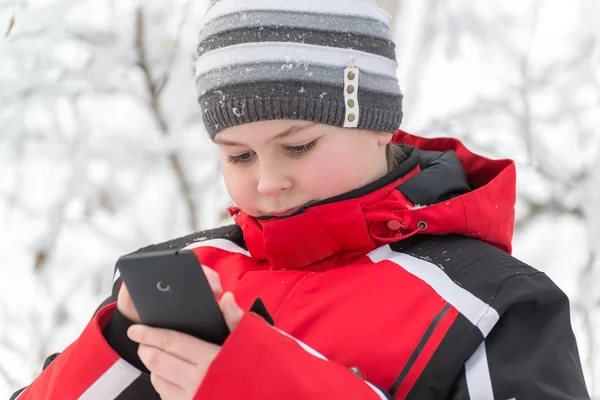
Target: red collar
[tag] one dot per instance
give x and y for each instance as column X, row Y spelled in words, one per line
column 331, row 234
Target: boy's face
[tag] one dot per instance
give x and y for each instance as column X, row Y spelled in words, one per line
column 276, row 167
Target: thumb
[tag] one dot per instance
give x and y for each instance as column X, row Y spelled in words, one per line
column 126, row 306
column 231, row 311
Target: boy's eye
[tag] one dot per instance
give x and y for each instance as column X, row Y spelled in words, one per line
column 291, row 150
column 300, row 150
column 242, row 158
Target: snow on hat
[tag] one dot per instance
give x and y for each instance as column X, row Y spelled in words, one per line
column 326, row 61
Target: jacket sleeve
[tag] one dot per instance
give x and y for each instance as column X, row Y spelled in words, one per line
column 101, row 361
column 259, row 361
column 263, row 362
column 88, row 369
column 531, row 353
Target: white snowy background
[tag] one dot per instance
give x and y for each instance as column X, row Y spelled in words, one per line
column 102, row 149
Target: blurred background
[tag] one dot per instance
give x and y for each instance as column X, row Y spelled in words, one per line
column 102, row 150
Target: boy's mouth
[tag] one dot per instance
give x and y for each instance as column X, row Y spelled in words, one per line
column 285, row 213
column 289, row 211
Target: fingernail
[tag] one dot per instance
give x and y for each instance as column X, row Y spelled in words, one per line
column 213, row 280
column 143, row 352
column 232, row 303
column 134, row 332
column 216, row 284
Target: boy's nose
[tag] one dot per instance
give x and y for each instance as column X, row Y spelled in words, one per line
column 273, row 182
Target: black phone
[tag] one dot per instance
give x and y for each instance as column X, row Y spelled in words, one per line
column 169, row 290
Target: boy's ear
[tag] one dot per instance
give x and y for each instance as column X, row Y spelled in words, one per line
column 384, row 138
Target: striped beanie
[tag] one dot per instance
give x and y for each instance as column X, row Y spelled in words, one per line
column 326, row 61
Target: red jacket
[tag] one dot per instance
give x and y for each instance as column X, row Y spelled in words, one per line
column 402, row 289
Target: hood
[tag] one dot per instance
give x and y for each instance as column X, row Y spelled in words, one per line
column 441, row 188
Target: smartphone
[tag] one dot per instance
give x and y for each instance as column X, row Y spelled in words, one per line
column 169, row 290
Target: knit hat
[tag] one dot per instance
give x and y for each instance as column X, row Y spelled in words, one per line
column 326, row 61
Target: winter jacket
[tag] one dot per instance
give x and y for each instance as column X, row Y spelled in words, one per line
column 402, row 289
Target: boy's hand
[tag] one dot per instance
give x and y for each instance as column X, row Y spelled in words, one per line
column 178, row 362
column 126, row 307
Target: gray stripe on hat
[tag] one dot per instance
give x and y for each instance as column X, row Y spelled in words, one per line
column 296, row 89
column 345, row 40
column 296, row 100
column 336, row 23
column 309, row 73
column 270, row 108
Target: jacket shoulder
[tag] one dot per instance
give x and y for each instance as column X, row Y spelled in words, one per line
column 232, row 233
column 475, row 266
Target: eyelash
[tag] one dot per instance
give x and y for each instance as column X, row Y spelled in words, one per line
column 294, row 151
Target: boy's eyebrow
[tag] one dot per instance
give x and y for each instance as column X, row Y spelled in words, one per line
column 286, row 133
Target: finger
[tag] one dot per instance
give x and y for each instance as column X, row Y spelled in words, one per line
column 169, row 367
column 231, row 311
column 167, row 390
column 181, row 345
column 126, row 306
column 213, row 280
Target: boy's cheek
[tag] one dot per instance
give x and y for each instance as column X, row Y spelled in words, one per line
column 240, row 190
column 328, row 178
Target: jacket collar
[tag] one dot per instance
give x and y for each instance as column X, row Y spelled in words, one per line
column 429, row 193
